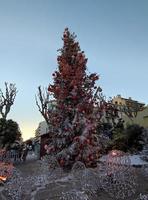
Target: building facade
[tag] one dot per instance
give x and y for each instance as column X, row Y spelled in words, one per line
column 138, row 111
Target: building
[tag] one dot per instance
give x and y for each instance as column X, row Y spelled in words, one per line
column 142, row 118
column 42, row 135
column 42, row 129
column 133, row 111
column 134, row 104
column 42, row 132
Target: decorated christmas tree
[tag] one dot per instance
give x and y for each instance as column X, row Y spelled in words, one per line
column 74, row 119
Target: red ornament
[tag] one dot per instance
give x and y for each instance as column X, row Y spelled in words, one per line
column 50, row 89
column 88, row 141
column 91, row 157
column 61, row 162
column 74, row 97
column 85, row 141
column 57, row 90
column 76, row 139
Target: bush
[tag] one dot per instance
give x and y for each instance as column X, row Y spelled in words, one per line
column 134, row 136
column 9, row 132
column 128, row 139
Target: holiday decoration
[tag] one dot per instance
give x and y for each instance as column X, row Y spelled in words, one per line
column 119, row 181
column 74, row 119
column 6, row 170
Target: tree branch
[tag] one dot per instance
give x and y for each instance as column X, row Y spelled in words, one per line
column 42, row 101
column 7, row 99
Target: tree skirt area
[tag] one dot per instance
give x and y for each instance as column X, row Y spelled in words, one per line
column 32, row 181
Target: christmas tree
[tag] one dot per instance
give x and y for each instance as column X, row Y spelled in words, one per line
column 74, row 121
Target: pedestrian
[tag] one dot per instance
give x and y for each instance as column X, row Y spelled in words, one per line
column 24, row 153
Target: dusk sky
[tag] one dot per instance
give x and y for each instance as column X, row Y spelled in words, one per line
column 113, row 34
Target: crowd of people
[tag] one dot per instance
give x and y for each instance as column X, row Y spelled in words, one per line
column 17, row 152
column 20, row 152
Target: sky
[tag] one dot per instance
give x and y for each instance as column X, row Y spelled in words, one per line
column 112, row 33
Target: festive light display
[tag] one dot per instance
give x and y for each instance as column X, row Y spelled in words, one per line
column 120, row 181
column 6, row 170
column 74, row 120
column 117, row 161
column 74, row 143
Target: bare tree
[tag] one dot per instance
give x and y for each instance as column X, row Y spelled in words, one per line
column 42, row 101
column 7, row 99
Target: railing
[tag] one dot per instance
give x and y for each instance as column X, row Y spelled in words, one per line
column 12, row 156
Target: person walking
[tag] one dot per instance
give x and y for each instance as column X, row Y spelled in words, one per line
column 24, row 153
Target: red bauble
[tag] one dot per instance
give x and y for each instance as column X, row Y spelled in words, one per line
column 88, row 141
column 85, row 141
column 50, row 89
column 53, row 149
column 74, row 97
column 91, row 157
column 76, row 139
column 62, row 162
column 57, row 90
column 97, row 155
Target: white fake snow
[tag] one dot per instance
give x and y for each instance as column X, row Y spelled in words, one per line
column 135, row 160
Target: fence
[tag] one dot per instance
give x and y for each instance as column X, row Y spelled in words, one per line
column 12, row 156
